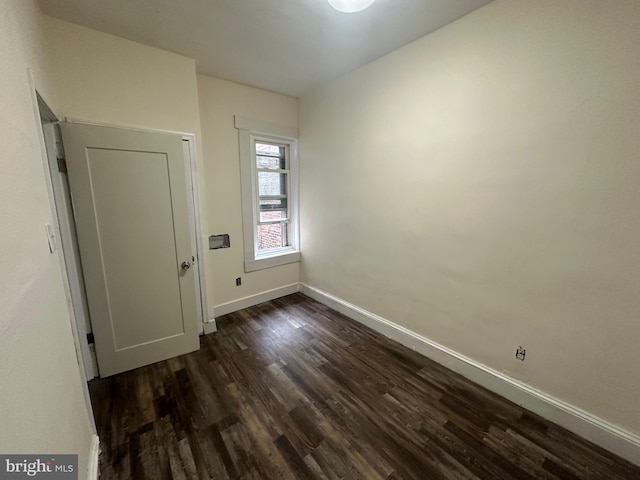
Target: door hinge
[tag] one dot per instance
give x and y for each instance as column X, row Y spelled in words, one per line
column 90, row 338
column 62, row 165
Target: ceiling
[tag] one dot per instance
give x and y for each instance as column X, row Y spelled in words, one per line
column 286, row 46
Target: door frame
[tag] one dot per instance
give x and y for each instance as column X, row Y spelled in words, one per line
column 68, row 244
column 195, row 221
column 91, row 369
column 43, row 114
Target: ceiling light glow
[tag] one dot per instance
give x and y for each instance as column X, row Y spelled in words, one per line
column 350, row 6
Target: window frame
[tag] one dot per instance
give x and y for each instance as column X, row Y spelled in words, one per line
column 250, row 131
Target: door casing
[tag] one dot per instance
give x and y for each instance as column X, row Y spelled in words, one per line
column 43, row 114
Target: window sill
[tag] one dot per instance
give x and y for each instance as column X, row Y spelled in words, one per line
column 269, row 261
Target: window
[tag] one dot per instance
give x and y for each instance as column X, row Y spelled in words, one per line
column 269, row 174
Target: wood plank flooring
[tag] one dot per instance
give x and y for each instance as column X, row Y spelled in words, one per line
column 291, row 389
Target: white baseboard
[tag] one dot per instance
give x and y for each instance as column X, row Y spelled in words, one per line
column 252, row 300
column 94, row 454
column 210, row 326
column 588, row 426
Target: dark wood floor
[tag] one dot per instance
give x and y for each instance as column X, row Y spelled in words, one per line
column 291, row 389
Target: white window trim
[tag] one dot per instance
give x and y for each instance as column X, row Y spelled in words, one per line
column 248, row 132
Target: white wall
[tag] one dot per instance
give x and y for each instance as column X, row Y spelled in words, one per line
column 220, row 100
column 42, row 406
column 480, row 187
column 104, row 78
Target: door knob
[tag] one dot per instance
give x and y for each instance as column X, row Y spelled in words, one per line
column 185, row 265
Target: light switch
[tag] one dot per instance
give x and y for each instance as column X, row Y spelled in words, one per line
column 51, row 237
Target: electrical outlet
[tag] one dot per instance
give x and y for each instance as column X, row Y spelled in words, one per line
column 238, row 281
column 520, row 353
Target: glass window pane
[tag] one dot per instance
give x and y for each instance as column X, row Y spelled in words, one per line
column 272, row 236
column 270, row 150
column 271, row 162
column 272, row 183
column 273, row 204
column 273, row 215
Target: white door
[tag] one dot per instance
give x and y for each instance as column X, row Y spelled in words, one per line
column 129, row 195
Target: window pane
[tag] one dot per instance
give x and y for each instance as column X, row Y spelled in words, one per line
column 272, row 183
column 271, row 162
column 269, row 150
column 273, row 204
column 273, row 215
column 272, row 236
